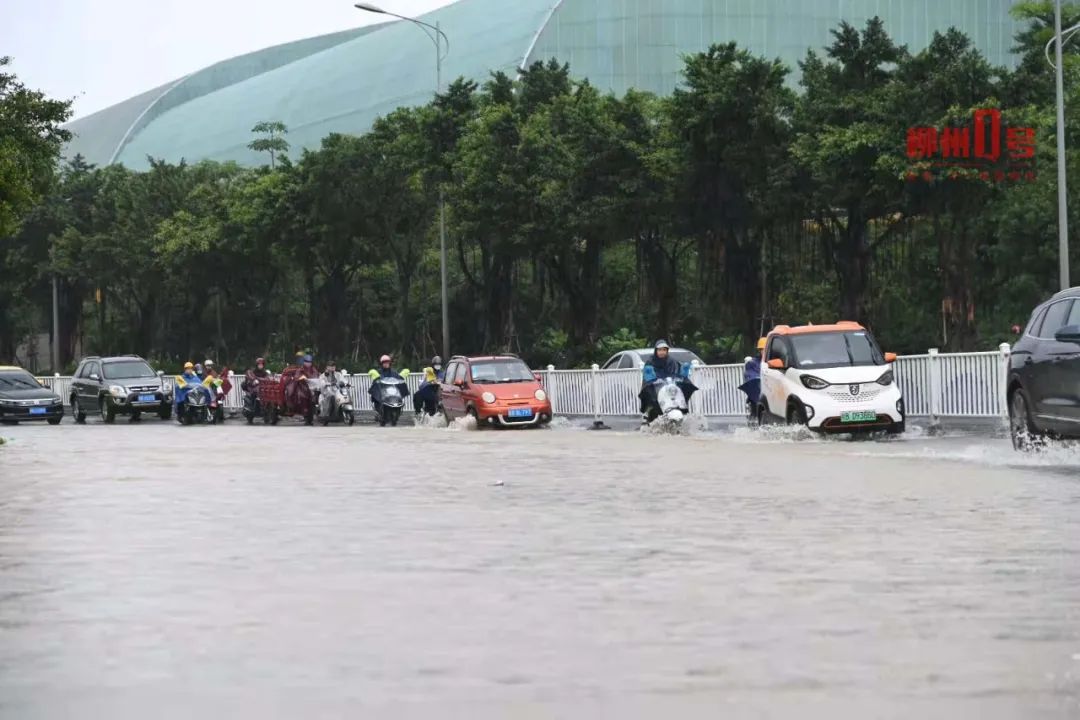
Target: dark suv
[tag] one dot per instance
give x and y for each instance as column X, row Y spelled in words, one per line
column 1044, row 373
column 124, row 385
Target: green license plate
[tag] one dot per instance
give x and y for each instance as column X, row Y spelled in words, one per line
column 862, row 416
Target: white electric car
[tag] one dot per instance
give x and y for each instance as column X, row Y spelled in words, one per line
column 831, row 378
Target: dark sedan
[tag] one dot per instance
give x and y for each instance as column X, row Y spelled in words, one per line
column 23, row 398
column 1044, row 373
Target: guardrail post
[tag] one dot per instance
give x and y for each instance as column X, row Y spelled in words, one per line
column 598, row 424
column 935, row 393
column 1003, row 397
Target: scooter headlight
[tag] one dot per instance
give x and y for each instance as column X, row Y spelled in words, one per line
column 540, row 395
column 489, row 398
column 814, row 383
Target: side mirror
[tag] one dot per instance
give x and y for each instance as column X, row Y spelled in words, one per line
column 160, row 373
column 536, row 375
column 776, row 364
column 94, row 376
column 459, row 383
column 1068, row 334
column 890, row 357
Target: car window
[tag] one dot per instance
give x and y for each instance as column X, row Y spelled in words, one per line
column 125, row 369
column 627, row 362
column 18, row 380
column 1055, row 318
column 684, row 357
column 1074, row 315
column 1035, row 321
column 448, row 374
column 504, row 370
column 93, row 368
column 777, row 350
column 836, row 349
column 462, row 371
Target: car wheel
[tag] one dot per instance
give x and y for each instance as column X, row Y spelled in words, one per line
column 476, row 418
column 1025, row 437
column 76, row 411
column 348, row 417
column 108, row 413
column 796, row 414
column 55, row 421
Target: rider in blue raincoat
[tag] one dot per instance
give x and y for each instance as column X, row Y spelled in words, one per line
column 185, row 382
column 659, row 367
column 752, row 375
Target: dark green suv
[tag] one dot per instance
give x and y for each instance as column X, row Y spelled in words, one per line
column 124, row 385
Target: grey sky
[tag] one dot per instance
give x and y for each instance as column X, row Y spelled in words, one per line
column 100, row 52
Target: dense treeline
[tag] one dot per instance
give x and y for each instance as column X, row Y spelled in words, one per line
column 578, row 223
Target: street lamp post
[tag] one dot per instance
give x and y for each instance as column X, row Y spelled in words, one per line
column 1063, row 219
column 1058, row 40
column 437, row 38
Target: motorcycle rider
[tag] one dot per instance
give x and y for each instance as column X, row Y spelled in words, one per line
column 332, row 379
column 426, row 398
column 751, row 384
column 660, row 367
column 184, row 383
column 331, row 376
column 436, row 365
column 252, row 376
column 385, row 371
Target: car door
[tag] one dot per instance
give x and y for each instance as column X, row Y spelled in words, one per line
column 1064, row 376
column 76, row 382
column 90, row 387
column 452, row 391
column 773, row 386
column 1048, row 391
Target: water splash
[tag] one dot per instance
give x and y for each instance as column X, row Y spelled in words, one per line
column 689, row 426
column 423, row 421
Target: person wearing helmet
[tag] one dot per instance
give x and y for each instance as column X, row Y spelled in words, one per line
column 297, row 390
column 659, row 367
column 436, row 365
column 426, row 398
column 250, row 386
column 751, row 384
column 385, row 370
column 183, row 384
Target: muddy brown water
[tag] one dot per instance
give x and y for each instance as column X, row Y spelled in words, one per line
column 157, row 571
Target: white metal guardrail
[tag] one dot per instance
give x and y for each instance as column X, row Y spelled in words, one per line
column 934, row 385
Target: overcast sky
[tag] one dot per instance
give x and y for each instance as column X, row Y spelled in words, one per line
column 99, row 52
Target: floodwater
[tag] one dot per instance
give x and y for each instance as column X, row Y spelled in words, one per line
column 153, row 571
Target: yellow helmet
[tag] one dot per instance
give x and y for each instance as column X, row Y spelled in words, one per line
column 761, row 344
column 189, row 365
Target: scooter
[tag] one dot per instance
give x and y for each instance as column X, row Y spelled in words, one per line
column 671, row 401
column 198, row 406
column 388, row 398
column 335, row 403
column 252, row 404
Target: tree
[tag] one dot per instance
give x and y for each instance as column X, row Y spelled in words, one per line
column 273, row 143
column 30, row 142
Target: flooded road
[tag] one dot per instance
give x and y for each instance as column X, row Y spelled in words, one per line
column 157, row 571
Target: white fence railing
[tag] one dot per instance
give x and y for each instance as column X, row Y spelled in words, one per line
column 934, row 385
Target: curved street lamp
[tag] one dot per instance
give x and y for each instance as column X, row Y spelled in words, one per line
column 438, row 37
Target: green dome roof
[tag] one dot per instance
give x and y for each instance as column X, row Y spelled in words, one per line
column 342, row 82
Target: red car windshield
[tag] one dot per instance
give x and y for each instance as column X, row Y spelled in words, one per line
column 510, row 370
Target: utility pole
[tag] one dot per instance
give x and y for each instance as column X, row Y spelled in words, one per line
column 1063, row 218
column 55, row 326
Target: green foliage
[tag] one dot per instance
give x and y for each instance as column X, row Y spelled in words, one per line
column 578, row 224
column 273, row 143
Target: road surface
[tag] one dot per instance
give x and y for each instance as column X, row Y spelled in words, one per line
column 156, row 571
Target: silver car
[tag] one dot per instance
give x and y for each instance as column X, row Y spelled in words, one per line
column 634, row 359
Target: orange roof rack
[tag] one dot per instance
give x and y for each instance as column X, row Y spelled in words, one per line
column 839, row 326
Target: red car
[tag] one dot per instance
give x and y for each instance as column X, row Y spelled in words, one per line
column 497, row 390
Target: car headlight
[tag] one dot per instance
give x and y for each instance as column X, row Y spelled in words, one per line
column 814, row 383
column 489, row 398
column 540, row 395
column 166, row 388
column 118, row 390
column 8, row 403
column 886, row 378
